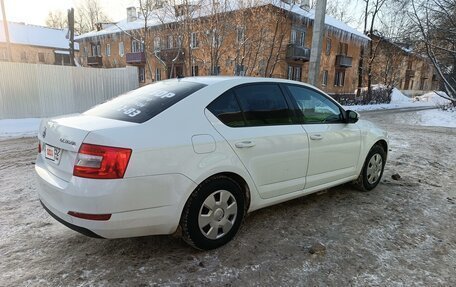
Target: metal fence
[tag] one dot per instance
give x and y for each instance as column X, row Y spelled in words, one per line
column 31, row 90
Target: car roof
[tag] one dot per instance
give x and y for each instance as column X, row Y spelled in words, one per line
column 210, row 80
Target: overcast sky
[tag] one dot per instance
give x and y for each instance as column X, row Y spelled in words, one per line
column 36, row 11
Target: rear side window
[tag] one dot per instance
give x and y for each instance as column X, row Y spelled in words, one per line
column 226, row 109
column 142, row 104
column 263, row 105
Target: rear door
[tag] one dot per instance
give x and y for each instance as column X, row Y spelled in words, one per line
column 255, row 120
column 334, row 144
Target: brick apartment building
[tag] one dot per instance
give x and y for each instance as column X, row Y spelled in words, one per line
column 35, row 44
column 397, row 65
column 270, row 38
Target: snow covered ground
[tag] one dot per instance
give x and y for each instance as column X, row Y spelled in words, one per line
column 16, row 128
column 399, row 100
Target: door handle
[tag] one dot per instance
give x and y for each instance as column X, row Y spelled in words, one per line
column 316, row 137
column 245, row 144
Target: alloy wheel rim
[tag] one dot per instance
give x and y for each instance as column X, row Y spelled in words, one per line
column 217, row 214
column 374, row 168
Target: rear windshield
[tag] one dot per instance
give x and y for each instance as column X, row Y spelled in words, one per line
column 142, row 104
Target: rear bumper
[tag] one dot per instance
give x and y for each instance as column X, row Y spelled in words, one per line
column 76, row 228
column 140, row 206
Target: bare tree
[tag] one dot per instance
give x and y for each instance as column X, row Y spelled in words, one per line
column 88, row 14
column 436, row 24
column 57, row 19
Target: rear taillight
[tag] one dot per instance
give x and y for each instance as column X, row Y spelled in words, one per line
column 102, row 162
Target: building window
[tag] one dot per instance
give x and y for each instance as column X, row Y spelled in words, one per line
column 339, row 78
column 157, row 74
column 23, row 56
column 302, row 39
column 240, row 70
column 324, row 81
column 170, row 42
column 157, row 44
column 98, row 50
column 298, row 37
column 41, row 57
column 108, row 49
column 135, row 46
column 86, row 52
column 240, row 35
column 194, row 40
column 216, row 39
column 343, row 48
column 179, row 41
column 195, row 71
column 216, row 70
column 142, row 74
column 293, row 36
column 328, row 46
column 294, row 73
column 121, row 49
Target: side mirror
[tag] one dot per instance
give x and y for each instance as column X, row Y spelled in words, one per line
column 352, row 117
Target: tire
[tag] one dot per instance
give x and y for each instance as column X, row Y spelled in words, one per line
column 213, row 213
column 373, row 169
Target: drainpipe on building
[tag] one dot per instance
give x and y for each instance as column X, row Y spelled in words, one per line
column 317, row 43
column 5, row 27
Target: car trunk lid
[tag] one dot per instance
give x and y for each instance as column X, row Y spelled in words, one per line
column 61, row 138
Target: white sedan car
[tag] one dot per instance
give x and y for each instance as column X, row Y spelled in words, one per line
column 200, row 153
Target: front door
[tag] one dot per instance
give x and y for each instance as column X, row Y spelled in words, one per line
column 334, row 145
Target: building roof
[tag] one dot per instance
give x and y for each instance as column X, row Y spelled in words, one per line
column 33, row 35
column 164, row 15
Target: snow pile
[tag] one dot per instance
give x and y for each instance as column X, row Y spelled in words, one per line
column 398, row 97
column 438, row 118
column 19, row 128
column 400, row 101
column 433, row 98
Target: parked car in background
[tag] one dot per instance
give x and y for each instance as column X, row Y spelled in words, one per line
column 200, row 153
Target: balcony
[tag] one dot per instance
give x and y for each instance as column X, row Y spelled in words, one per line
column 297, row 53
column 135, row 58
column 344, row 61
column 409, row 73
column 95, row 61
column 168, row 55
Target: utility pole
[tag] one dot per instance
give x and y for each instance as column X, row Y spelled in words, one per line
column 5, row 27
column 71, row 32
column 317, row 42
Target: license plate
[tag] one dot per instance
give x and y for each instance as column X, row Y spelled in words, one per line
column 53, row 153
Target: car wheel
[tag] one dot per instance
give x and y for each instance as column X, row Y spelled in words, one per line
column 373, row 169
column 213, row 213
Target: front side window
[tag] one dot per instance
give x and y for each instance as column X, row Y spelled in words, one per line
column 313, row 107
column 263, row 105
column 142, row 104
